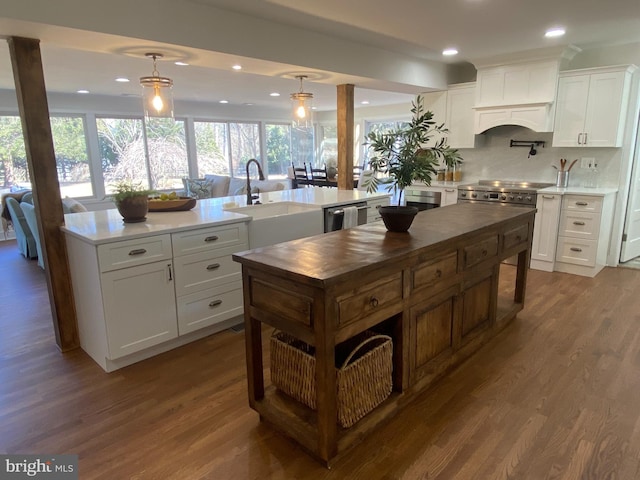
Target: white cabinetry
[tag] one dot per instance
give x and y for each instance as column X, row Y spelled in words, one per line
column 460, row 114
column 583, row 233
column 373, row 215
column 545, row 232
column 208, row 281
column 449, row 195
column 591, row 107
column 137, row 298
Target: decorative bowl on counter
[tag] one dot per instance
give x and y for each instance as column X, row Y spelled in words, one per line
column 179, row 204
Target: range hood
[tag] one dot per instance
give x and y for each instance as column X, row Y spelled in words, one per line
column 520, row 92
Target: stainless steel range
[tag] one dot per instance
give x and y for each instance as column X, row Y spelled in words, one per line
column 501, row 192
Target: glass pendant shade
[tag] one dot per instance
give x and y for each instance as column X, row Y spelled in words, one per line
column 301, row 103
column 157, row 94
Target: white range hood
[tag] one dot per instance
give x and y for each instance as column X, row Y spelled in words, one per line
column 519, row 92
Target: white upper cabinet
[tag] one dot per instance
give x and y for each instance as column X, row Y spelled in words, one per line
column 591, row 107
column 460, row 101
column 436, row 102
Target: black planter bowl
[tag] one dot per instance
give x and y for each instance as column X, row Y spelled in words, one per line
column 398, row 218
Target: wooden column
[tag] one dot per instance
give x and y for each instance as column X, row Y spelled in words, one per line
column 41, row 160
column 345, row 137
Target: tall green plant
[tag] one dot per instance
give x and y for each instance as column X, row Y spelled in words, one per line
column 403, row 155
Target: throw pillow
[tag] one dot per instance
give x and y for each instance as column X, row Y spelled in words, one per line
column 197, row 187
column 267, row 185
column 69, row 205
column 219, row 185
column 238, row 186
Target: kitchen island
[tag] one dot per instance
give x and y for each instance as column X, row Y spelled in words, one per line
column 433, row 290
column 143, row 288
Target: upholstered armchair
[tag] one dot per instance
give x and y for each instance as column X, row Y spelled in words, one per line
column 25, row 239
column 29, row 212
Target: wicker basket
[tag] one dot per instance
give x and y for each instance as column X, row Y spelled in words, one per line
column 363, row 379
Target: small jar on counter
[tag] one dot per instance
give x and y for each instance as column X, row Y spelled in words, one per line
column 440, row 175
column 457, row 173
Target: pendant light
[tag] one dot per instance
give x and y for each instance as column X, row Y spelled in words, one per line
column 157, row 95
column 301, row 105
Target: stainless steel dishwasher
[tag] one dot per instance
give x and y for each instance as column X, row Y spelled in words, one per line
column 334, row 216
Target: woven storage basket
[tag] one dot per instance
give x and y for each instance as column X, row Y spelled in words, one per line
column 363, row 380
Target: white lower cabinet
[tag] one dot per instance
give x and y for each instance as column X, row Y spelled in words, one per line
column 139, row 307
column 583, row 233
column 373, row 215
column 449, row 196
column 137, row 298
column 545, row 231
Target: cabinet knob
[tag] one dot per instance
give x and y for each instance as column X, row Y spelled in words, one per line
column 484, row 253
column 373, row 302
column 138, row 251
column 213, row 266
column 215, row 303
column 212, row 238
column 438, row 273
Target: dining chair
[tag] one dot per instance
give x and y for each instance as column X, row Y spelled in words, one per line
column 319, row 176
column 300, row 175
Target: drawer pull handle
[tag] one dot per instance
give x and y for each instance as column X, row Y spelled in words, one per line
column 373, row 302
column 579, row 223
column 438, row 273
column 215, row 303
column 575, row 249
column 484, row 253
column 137, row 251
column 582, row 204
column 548, row 197
column 212, row 238
column 213, row 266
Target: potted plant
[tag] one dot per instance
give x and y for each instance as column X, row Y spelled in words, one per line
column 132, row 201
column 403, row 156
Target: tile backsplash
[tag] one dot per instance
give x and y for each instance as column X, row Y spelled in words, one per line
column 496, row 160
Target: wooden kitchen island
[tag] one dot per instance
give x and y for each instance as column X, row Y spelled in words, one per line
column 435, row 290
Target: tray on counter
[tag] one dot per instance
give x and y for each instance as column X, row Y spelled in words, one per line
column 175, row 205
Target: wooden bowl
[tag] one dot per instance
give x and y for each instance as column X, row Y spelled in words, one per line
column 176, row 205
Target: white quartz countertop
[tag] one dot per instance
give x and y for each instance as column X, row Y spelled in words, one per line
column 106, row 226
column 600, row 192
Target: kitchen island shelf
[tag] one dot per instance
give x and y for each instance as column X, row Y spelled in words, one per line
column 437, row 291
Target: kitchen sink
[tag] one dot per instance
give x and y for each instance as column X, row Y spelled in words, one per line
column 280, row 222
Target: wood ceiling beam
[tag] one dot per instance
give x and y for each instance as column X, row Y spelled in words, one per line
column 36, row 127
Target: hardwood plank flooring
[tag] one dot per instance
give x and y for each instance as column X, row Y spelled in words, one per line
column 555, row 396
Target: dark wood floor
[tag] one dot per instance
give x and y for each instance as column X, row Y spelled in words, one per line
column 555, row 396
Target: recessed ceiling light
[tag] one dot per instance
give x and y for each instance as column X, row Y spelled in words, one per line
column 237, row 67
column 449, row 51
column 365, row 102
column 182, row 64
column 82, row 91
column 314, row 108
column 122, row 79
column 224, row 101
column 274, row 94
column 554, row 32
column 248, row 104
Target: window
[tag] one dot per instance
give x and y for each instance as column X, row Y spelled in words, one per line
column 72, row 160
column 302, row 146
column 125, row 145
column 13, row 157
column 382, row 126
column 212, row 149
column 278, row 150
column 224, row 148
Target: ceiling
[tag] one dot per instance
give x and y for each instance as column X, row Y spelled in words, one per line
column 479, row 29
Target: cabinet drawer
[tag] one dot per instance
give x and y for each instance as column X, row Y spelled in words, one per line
column 373, row 215
column 515, row 236
column 203, row 239
column 436, row 272
column 580, row 224
column 369, row 298
column 204, row 270
column 584, row 203
column 577, row 251
column 129, row 253
column 481, row 251
column 206, row 308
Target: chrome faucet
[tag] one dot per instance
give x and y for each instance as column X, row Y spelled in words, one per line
column 261, row 176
